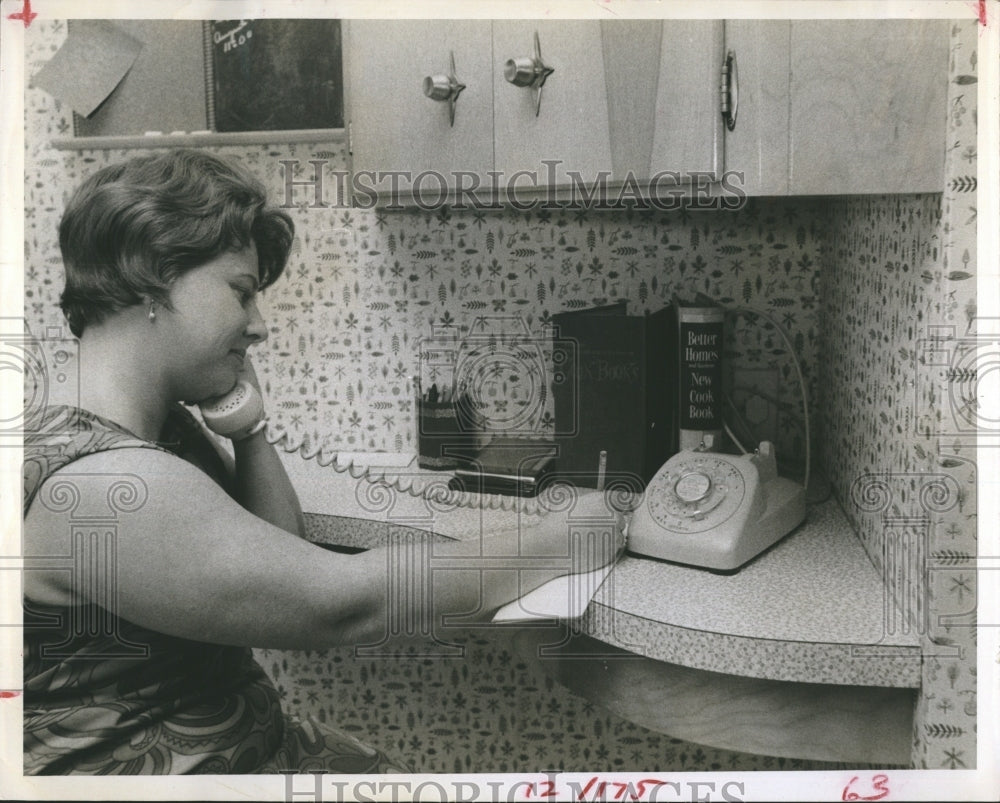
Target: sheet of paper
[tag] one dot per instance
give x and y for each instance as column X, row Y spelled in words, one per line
column 565, row 597
column 93, row 60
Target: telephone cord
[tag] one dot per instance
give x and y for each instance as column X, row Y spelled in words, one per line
column 798, row 373
column 433, row 488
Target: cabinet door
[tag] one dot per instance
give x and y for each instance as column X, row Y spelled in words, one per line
column 571, row 127
column 663, row 97
column 393, row 126
column 757, row 148
column 632, row 74
column 688, row 134
column 867, row 106
column 662, row 81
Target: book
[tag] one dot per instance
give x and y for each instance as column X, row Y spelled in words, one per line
column 697, row 344
column 614, row 395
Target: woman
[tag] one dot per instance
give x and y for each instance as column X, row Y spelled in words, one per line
column 137, row 652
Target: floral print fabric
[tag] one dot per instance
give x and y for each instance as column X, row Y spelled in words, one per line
column 106, row 696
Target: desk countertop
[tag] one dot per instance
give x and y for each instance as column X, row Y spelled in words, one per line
column 811, row 609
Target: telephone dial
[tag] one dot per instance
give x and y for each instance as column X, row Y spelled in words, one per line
column 716, row 510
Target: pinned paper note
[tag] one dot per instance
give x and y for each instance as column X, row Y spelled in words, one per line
column 90, row 65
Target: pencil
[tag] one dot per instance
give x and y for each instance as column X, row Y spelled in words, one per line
column 602, row 466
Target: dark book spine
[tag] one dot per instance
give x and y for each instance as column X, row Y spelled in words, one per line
column 660, row 417
column 600, row 407
column 699, row 376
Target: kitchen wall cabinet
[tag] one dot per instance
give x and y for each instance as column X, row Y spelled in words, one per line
column 868, row 106
column 839, row 107
column 392, row 126
column 571, row 126
column 758, row 145
column 623, row 96
column 824, row 107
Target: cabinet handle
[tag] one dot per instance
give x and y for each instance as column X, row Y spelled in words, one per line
column 529, row 72
column 729, row 90
column 445, row 88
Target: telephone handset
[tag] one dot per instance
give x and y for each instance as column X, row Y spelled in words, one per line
column 237, row 414
column 716, row 510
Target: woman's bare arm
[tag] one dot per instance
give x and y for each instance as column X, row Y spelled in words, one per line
column 261, row 484
column 263, row 487
column 191, row 562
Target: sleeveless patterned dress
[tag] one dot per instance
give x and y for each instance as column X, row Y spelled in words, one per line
column 105, row 696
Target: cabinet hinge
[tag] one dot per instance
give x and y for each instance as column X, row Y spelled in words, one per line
column 729, row 90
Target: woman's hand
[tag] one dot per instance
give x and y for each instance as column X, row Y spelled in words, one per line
column 262, row 486
column 582, row 526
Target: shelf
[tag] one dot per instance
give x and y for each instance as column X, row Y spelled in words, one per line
column 198, row 139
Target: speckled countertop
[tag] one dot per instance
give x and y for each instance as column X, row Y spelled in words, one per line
column 808, row 610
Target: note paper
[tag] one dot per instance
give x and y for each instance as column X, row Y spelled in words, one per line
column 565, row 597
column 94, row 59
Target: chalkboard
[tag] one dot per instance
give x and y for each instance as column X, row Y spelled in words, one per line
column 276, row 74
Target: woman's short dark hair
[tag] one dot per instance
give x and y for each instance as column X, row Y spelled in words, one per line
column 132, row 228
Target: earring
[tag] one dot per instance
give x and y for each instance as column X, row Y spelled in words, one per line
column 152, row 312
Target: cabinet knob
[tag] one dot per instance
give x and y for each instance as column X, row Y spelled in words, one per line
column 529, row 72
column 438, row 87
column 445, row 88
column 520, row 72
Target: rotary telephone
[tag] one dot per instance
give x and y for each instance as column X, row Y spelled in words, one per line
column 716, row 510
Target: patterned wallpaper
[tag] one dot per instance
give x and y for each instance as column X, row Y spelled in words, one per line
column 365, row 287
column 878, row 303
column 489, row 711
